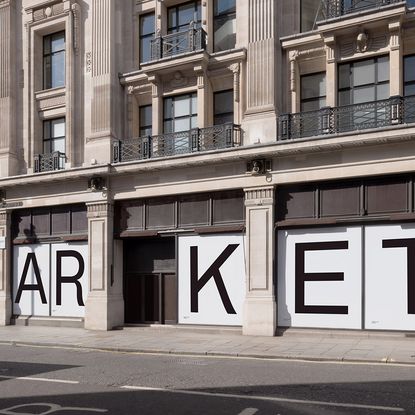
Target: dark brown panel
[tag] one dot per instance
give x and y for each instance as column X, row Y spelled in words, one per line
column 22, row 223
column 228, row 207
column 60, row 221
column 295, row 203
column 160, row 214
column 194, row 211
column 41, row 222
column 132, row 216
column 170, row 298
column 342, row 200
column 383, row 197
column 79, row 219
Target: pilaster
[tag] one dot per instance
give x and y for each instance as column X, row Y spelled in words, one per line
column 5, row 289
column 260, row 314
column 105, row 305
column 395, row 56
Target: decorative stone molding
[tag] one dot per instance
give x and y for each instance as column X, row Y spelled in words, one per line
column 88, row 61
column 100, row 210
column 76, row 12
column 364, row 42
column 4, row 217
column 47, row 12
column 235, row 69
column 395, row 35
column 52, row 102
column 155, row 85
column 259, row 196
column 200, row 71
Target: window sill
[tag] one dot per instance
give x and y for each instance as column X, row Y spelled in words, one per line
column 51, row 99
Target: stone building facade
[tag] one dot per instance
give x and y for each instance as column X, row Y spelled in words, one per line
column 243, row 163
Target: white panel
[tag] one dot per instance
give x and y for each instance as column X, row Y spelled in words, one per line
column 211, row 309
column 387, row 278
column 30, row 302
column 74, row 291
column 344, row 293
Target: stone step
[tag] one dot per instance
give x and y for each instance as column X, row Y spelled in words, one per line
column 73, row 322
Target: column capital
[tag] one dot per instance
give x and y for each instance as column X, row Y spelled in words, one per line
column 259, row 196
column 4, row 217
column 100, row 209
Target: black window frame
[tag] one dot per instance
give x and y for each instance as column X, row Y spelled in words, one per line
column 48, row 69
column 351, row 88
column 50, row 139
column 218, row 115
column 313, row 99
column 184, row 27
column 144, row 127
column 407, row 83
column 144, row 36
column 222, row 17
column 190, row 115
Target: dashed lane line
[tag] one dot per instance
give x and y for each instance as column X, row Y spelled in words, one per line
column 70, row 382
column 266, row 398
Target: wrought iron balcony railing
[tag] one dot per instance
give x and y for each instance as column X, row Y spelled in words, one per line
column 49, row 162
column 337, row 8
column 173, row 44
column 377, row 114
column 184, row 142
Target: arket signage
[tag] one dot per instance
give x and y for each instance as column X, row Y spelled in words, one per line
column 50, row 279
column 321, row 273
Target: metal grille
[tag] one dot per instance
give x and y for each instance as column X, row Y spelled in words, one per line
column 377, row 114
column 176, row 43
column 337, row 8
column 184, row 142
column 49, row 162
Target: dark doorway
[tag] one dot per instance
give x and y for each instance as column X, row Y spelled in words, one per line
column 150, row 283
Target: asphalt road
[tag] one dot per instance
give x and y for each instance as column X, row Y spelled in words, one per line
column 39, row 380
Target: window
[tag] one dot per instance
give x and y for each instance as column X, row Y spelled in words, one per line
column 54, row 60
column 409, row 75
column 146, row 120
column 223, row 107
column 147, row 31
column 54, row 136
column 180, row 17
column 410, row 3
column 224, row 25
column 364, row 81
column 180, row 113
column 313, row 91
column 310, row 14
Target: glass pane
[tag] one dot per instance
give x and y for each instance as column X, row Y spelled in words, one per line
column 58, row 128
column 147, row 24
column 344, row 97
column 58, row 42
column 363, row 72
column 409, row 90
column 344, row 76
column 146, row 131
column 313, row 105
column 193, row 122
column 309, row 14
column 181, row 106
column 46, row 129
column 194, row 103
column 198, row 12
column 410, row 3
column 168, row 104
column 58, row 145
column 172, row 21
column 364, row 94
column 383, row 69
column 313, row 86
column 186, row 14
column 46, row 45
column 47, row 72
column 409, row 68
column 58, row 69
column 224, row 33
column 145, row 49
column 168, row 127
column 383, row 91
column 146, row 115
column 223, row 102
column 182, row 124
column 46, row 147
column 225, row 6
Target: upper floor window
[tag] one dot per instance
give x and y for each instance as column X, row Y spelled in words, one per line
column 224, row 25
column 54, row 135
column 223, row 107
column 180, row 113
column 364, row 81
column 313, row 91
column 54, row 60
column 310, row 14
column 146, row 120
column 147, row 30
column 409, row 75
column 180, row 16
column 410, row 3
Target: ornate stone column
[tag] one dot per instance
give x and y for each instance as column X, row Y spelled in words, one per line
column 5, row 278
column 105, row 305
column 260, row 315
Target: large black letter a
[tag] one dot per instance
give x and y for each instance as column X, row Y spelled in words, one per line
column 31, row 257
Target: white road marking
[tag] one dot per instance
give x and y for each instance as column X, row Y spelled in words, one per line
column 249, row 411
column 52, row 408
column 72, row 382
column 266, row 398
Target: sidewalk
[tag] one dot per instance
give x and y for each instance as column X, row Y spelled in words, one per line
column 317, row 345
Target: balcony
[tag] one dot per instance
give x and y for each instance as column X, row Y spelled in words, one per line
column 185, row 142
column 356, row 117
column 173, row 44
column 49, row 162
column 336, row 8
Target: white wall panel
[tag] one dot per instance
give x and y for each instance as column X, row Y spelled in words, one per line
column 199, row 254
